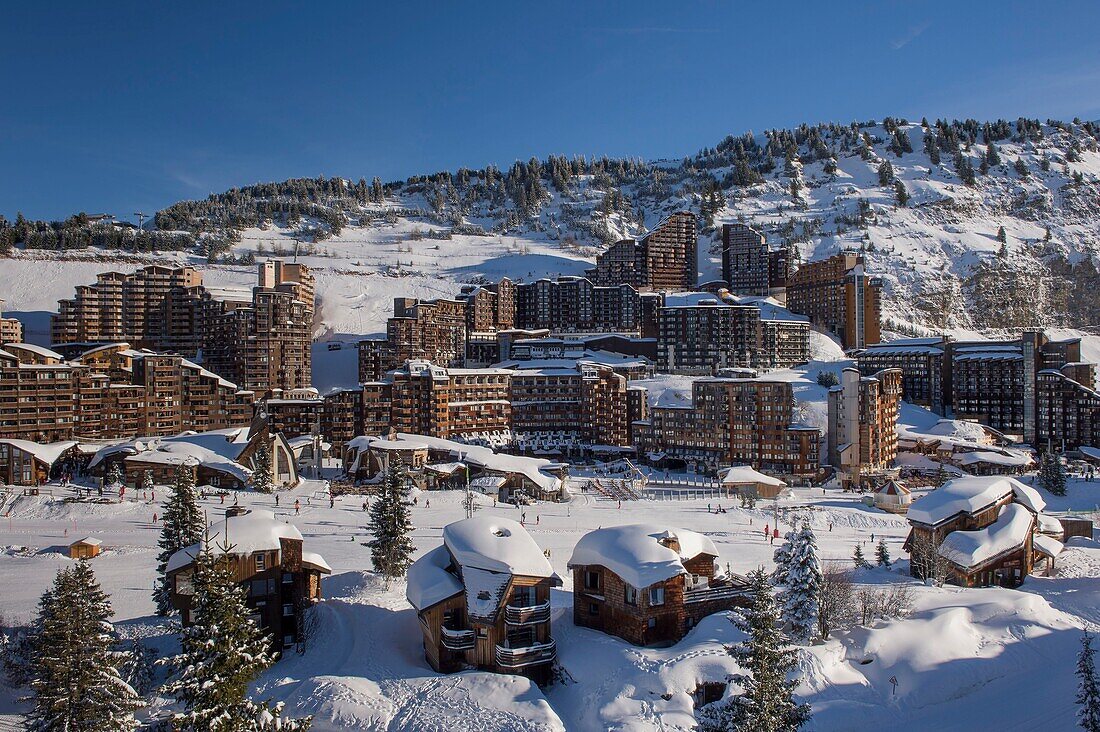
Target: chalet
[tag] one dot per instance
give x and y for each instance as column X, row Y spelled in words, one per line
column 267, row 557
column 23, row 462
column 221, row 458
column 986, row 528
column 85, row 548
column 648, row 584
column 743, row 480
column 483, row 599
column 433, row 463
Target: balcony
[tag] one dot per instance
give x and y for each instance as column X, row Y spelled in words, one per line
column 531, row 655
column 457, row 640
column 529, row 615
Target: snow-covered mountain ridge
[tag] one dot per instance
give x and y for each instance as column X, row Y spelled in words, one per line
column 929, row 203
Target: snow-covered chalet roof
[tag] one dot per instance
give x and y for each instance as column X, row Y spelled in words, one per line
column 47, row 453
column 244, row 534
column 428, row 582
column 635, row 553
column 969, row 495
column 971, row 548
column 746, row 474
column 1047, row 545
column 495, row 544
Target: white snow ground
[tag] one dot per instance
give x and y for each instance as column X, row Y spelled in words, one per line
column 965, row 659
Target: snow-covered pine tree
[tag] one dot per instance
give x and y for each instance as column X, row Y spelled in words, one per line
column 76, row 684
column 859, row 559
column 766, row 704
column 391, row 548
column 114, row 475
column 885, row 173
column 182, row 525
column 1052, row 474
column 782, row 558
column 901, row 194
column 1088, row 691
column 221, row 653
column 147, row 484
column 799, row 596
column 882, row 554
column 261, row 469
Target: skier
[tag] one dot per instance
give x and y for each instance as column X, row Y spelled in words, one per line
column 331, row 502
column 276, row 499
column 154, row 517
column 297, row 507
column 427, row 503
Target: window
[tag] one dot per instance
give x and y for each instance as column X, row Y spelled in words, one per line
column 593, row 608
column 482, row 632
column 630, row 595
column 592, row 580
column 261, row 561
column 651, row 623
column 656, row 596
column 288, row 577
column 288, row 640
column 523, row 596
column 288, row 610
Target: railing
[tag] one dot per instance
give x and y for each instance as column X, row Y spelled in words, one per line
column 457, row 640
column 527, row 615
column 724, row 591
column 527, row 655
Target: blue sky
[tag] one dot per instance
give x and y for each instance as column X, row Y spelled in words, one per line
column 122, row 106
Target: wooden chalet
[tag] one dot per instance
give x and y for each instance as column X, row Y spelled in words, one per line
column 743, row 480
column 649, row 584
column 483, row 599
column 27, row 463
column 990, row 530
column 268, row 558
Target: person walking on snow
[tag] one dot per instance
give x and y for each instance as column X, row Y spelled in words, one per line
column 297, row 507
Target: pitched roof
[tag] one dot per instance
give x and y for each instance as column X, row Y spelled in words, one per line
column 635, row 552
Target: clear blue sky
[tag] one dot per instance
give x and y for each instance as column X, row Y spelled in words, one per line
column 119, row 106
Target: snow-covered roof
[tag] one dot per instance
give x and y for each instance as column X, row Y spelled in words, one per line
column 495, row 544
column 746, row 474
column 47, row 453
column 37, row 350
column 180, row 452
column 1050, row 525
column 244, row 534
column 1089, row 452
column 316, row 560
column 1008, row 458
column 89, row 540
column 483, row 457
column 635, row 553
column 428, row 582
column 1047, row 545
column 971, row 494
column 971, row 548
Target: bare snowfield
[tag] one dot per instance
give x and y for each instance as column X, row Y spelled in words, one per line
column 964, row 659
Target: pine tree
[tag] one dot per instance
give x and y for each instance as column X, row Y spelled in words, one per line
column 800, row 592
column 391, row 548
column 147, row 484
column 261, row 469
column 901, row 193
column 114, row 475
column 1052, row 474
column 882, row 554
column 858, row 559
column 1088, row 691
column 76, row 685
column 1002, row 235
column 885, row 173
column 182, row 525
column 221, row 653
column 782, row 558
column 767, row 703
